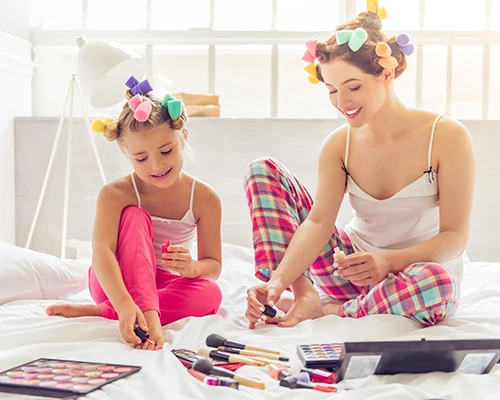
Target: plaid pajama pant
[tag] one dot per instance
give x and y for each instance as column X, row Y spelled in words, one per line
column 279, row 203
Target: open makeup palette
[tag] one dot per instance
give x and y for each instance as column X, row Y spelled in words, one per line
column 359, row 359
column 61, row 378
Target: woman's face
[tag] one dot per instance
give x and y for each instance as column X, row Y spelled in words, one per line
column 356, row 94
column 156, row 154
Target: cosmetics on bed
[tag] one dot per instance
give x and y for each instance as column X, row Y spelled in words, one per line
column 220, row 355
column 292, row 383
column 189, row 357
column 215, row 340
column 251, row 353
column 320, row 375
column 320, row 355
column 213, row 380
column 354, row 360
column 61, row 378
column 207, row 367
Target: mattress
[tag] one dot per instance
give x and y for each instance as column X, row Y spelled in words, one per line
column 26, row 333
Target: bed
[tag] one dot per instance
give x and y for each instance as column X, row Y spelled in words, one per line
column 223, row 148
column 27, row 333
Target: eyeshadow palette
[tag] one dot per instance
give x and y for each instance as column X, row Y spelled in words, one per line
column 360, row 359
column 325, row 355
column 61, row 378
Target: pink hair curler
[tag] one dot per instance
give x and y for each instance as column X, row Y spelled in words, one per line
column 310, row 54
column 142, row 109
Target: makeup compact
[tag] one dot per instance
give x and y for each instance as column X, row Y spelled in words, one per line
column 61, row 378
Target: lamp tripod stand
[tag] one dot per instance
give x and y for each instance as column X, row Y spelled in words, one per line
column 74, row 85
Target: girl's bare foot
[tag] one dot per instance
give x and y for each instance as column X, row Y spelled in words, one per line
column 74, row 310
column 332, row 307
column 156, row 335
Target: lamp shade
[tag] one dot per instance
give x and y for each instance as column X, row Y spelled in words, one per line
column 103, row 68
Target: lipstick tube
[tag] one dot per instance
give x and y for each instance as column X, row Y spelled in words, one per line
column 320, row 375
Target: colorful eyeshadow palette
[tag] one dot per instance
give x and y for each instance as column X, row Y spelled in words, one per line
column 360, row 359
column 325, row 355
column 476, row 356
column 61, row 378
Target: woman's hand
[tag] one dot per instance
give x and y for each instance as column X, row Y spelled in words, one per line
column 130, row 316
column 364, row 269
column 257, row 296
column 179, row 259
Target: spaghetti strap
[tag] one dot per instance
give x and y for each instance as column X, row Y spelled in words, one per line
column 135, row 189
column 347, row 142
column 429, row 164
column 191, row 199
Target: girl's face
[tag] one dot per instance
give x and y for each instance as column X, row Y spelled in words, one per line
column 357, row 95
column 156, row 154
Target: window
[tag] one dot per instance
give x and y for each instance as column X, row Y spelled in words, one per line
column 250, row 53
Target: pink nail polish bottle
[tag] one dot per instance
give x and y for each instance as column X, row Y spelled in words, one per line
column 164, row 248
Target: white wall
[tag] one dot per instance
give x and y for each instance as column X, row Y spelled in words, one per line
column 223, row 147
column 15, row 18
column 16, row 72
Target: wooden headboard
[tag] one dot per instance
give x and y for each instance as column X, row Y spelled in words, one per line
column 223, row 147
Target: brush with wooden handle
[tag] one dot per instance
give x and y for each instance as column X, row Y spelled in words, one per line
column 252, row 353
column 220, row 355
column 207, row 367
column 214, row 340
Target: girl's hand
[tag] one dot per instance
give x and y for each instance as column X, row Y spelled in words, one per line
column 156, row 336
column 179, row 259
column 265, row 293
column 129, row 316
column 364, row 269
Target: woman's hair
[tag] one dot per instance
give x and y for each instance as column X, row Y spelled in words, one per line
column 365, row 58
column 126, row 122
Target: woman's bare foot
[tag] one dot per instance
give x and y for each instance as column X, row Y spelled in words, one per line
column 74, row 310
column 332, row 307
column 156, row 335
column 284, row 304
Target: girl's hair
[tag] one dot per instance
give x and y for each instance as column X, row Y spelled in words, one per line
column 127, row 123
column 365, row 58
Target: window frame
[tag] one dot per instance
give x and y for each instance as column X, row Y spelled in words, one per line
column 150, row 37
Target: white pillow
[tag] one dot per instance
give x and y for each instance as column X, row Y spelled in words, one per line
column 27, row 274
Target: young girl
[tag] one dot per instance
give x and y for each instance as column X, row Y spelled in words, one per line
column 131, row 279
column 409, row 175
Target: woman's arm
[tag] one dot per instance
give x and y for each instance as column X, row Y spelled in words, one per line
column 208, row 208
column 456, row 176
column 313, row 234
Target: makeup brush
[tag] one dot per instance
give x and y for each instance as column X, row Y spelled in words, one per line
column 207, row 367
column 220, row 355
column 215, row 340
column 251, row 353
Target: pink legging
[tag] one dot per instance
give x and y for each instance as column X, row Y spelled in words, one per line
column 173, row 296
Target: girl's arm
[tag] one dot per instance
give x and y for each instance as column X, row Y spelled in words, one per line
column 207, row 207
column 456, row 176
column 104, row 242
column 313, row 234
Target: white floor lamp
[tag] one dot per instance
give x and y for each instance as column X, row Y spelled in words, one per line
column 103, row 68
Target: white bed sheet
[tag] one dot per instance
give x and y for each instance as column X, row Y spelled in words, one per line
column 27, row 333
